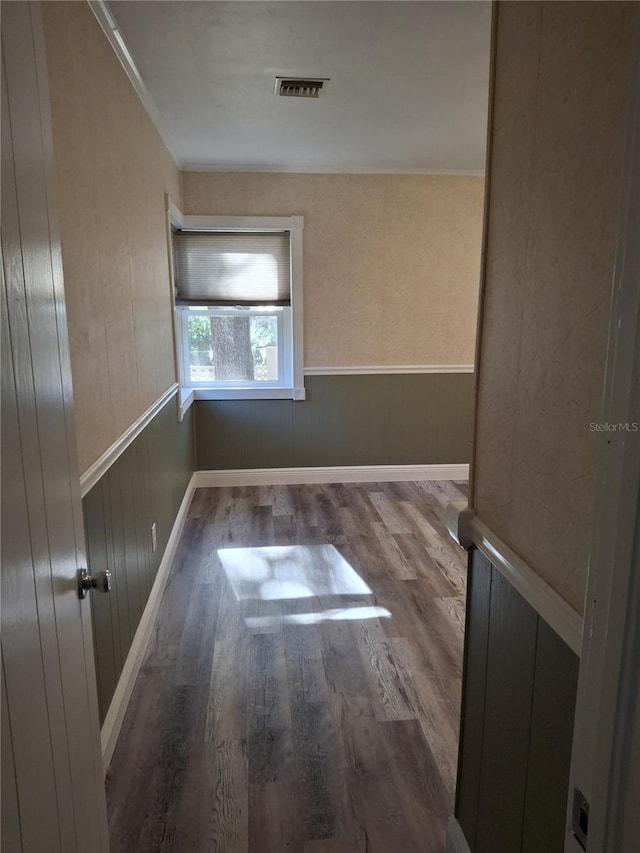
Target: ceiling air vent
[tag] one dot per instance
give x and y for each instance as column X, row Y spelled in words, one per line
column 300, row 87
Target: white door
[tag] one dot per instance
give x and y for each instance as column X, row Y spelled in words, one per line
column 52, row 779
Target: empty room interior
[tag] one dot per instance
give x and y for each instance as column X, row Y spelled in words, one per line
column 320, row 403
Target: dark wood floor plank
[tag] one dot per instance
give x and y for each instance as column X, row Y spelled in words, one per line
column 419, row 782
column 329, row 845
column 397, row 564
column 270, row 745
column 386, row 509
column 375, row 806
column 424, row 567
column 195, row 651
column 223, row 814
column 313, row 736
column 442, row 552
column 435, row 713
column 304, row 699
column 389, row 696
column 438, row 638
column 226, row 716
column 344, row 670
column 273, row 819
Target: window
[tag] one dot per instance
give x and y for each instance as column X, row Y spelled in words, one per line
column 241, row 347
column 238, row 303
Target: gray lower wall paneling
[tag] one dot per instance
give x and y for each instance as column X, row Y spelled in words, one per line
column 505, row 743
column 550, row 737
column 146, row 484
column 476, row 642
column 519, row 692
column 391, row 419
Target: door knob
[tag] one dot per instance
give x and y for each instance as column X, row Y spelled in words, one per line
column 101, row 582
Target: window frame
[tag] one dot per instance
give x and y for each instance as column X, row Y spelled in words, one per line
column 291, row 385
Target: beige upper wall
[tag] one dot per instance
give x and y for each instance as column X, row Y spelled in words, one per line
column 391, row 262
column 112, row 172
column 562, row 73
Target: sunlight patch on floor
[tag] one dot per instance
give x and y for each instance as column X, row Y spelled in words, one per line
column 338, row 614
column 289, row 572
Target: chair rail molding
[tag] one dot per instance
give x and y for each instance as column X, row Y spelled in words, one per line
column 366, row 369
column 469, row 531
column 99, row 468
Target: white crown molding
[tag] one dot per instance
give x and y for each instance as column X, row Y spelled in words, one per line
column 99, row 468
column 124, row 688
column 110, row 28
column 329, row 474
column 369, row 169
column 364, row 369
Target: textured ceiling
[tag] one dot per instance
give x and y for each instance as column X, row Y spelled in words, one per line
column 408, row 90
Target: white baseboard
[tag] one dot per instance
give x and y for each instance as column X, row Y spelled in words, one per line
column 124, row 688
column 456, row 842
column 332, row 474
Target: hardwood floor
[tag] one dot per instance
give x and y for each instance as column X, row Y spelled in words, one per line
column 302, row 689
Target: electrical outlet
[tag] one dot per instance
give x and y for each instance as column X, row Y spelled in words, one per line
column 154, row 537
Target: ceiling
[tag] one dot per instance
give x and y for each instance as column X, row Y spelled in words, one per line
column 408, row 90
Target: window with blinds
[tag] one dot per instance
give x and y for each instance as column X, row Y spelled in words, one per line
column 232, row 268
column 238, row 306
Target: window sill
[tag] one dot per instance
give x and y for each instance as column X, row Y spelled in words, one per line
column 188, row 395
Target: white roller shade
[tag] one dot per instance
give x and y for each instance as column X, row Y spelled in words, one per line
column 232, row 268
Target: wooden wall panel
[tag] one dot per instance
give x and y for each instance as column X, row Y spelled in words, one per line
column 552, row 712
column 476, row 641
column 116, row 556
column 505, row 744
column 112, row 172
column 146, row 484
column 562, row 75
column 107, row 662
column 391, row 262
column 345, row 420
column 519, row 694
column 10, row 834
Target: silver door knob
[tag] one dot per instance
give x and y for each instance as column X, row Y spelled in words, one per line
column 101, row 582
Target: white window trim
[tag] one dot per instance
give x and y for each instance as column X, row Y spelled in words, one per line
column 295, row 226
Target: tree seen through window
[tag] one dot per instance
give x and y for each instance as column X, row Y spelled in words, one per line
column 234, row 347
